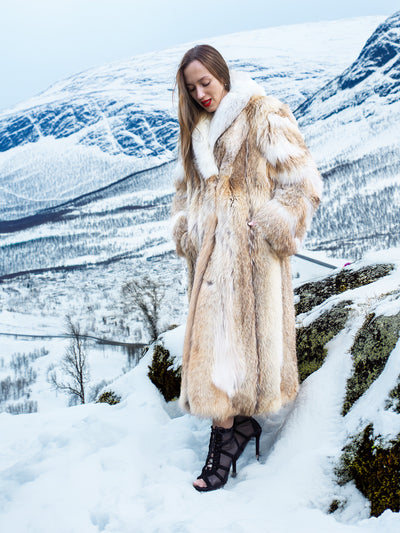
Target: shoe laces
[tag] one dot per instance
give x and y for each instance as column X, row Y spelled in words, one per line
column 214, row 450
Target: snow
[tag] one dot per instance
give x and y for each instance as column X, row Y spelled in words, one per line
column 129, row 467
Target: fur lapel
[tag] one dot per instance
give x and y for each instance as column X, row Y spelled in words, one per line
column 211, row 127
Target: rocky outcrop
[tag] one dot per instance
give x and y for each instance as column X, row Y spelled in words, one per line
column 369, row 459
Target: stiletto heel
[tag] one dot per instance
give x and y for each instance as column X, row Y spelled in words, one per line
column 234, row 468
column 258, row 447
column 245, row 429
column 226, row 446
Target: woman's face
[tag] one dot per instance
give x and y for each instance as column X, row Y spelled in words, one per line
column 203, row 87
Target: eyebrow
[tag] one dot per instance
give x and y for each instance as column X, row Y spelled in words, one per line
column 202, row 78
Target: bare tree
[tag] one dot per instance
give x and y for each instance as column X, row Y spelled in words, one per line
column 145, row 295
column 74, row 365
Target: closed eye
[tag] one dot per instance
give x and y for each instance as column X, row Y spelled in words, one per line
column 191, row 88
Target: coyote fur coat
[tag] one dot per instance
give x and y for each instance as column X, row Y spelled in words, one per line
column 250, row 165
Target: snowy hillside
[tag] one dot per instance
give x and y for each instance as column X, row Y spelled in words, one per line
column 67, row 226
column 352, row 127
column 102, row 125
column 129, row 467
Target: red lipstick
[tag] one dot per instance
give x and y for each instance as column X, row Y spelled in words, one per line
column 206, row 103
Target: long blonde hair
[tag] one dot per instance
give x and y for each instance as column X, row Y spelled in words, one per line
column 189, row 111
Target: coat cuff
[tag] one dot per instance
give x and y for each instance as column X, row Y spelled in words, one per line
column 278, row 227
column 179, row 232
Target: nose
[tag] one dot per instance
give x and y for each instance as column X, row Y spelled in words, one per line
column 200, row 93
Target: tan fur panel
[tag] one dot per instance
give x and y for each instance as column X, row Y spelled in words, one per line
column 201, row 266
column 268, row 298
column 289, row 373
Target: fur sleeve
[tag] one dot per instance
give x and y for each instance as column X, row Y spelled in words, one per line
column 179, row 223
column 285, row 218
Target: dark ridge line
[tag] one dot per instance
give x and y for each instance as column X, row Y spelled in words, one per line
column 57, row 212
column 67, row 268
column 66, row 215
column 83, row 266
column 102, row 189
column 99, row 340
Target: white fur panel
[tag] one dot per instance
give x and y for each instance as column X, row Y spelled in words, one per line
column 229, row 368
column 174, row 219
column 314, row 177
column 309, row 212
column 274, row 143
column 299, row 173
column 298, row 243
column 281, row 149
column 203, row 153
column 179, row 173
column 278, row 122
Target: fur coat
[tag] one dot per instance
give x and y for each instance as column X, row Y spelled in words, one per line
column 250, row 164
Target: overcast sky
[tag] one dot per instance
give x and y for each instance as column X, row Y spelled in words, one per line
column 42, row 41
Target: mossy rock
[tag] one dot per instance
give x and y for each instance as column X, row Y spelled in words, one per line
column 393, row 401
column 314, row 293
column 375, row 468
column 163, row 375
column 371, row 349
column 311, row 340
column 109, row 397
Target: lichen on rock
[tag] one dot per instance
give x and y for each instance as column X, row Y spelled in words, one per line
column 311, row 339
column 370, row 351
column 109, row 397
column 163, row 375
column 374, row 466
column 393, row 402
column 314, row 293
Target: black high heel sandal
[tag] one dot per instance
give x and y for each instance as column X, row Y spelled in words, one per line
column 221, row 455
column 245, row 428
column 226, row 446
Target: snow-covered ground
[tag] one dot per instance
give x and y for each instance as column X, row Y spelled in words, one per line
column 129, row 467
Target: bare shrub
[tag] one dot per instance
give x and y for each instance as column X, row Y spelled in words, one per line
column 74, row 366
column 145, row 295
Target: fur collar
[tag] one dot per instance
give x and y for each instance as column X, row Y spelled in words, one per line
column 212, row 126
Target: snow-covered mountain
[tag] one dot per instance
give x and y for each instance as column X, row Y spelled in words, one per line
column 104, row 124
column 67, row 202
column 352, row 127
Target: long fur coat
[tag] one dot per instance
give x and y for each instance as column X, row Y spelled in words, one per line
column 250, row 164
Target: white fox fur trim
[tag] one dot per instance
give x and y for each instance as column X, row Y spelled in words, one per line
column 203, row 153
column 211, row 127
column 242, row 89
column 179, row 173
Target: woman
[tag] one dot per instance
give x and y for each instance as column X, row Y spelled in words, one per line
column 246, row 190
